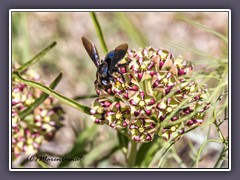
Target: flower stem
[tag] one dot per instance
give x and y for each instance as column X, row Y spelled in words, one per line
column 85, row 97
column 133, row 154
column 221, row 157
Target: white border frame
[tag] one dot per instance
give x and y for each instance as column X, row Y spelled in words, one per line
column 122, row 10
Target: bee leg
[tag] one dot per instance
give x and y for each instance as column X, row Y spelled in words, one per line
column 119, row 66
column 111, row 79
column 122, row 65
column 118, row 71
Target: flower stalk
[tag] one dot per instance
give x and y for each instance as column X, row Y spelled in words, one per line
column 132, row 154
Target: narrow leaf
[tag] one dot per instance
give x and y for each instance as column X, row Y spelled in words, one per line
column 131, row 29
column 100, row 150
column 37, row 57
column 99, row 31
column 42, row 164
column 199, row 25
column 51, row 92
column 40, row 100
column 78, row 149
column 202, row 146
column 141, row 154
column 123, row 142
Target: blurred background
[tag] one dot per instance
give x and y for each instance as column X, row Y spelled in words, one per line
column 190, row 34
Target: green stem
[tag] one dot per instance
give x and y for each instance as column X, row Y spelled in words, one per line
column 218, row 126
column 225, row 142
column 51, row 92
column 221, row 157
column 133, row 154
column 99, row 31
column 85, row 97
column 36, row 58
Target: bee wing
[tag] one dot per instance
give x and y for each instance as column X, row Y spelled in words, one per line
column 91, row 50
column 119, row 53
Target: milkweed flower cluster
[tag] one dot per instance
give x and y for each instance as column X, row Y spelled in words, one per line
column 158, row 97
column 41, row 124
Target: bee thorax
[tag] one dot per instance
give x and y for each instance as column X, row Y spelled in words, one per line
column 103, row 70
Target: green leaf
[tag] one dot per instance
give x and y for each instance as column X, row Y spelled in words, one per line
column 130, row 29
column 36, row 58
column 53, row 93
column 104, row 149
column 188, row 48
column 78, row 149
column 40, row 100
column 123, row 141
column 148, row 154
column 19, row 28
column 199, row 25
column 143, row 150
column 42, row 164
column 160, row 154
column 99, row 31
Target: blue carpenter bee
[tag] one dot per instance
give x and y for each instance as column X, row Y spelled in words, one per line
column 107, row 66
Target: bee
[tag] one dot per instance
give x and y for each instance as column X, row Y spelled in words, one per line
column 107, row 66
